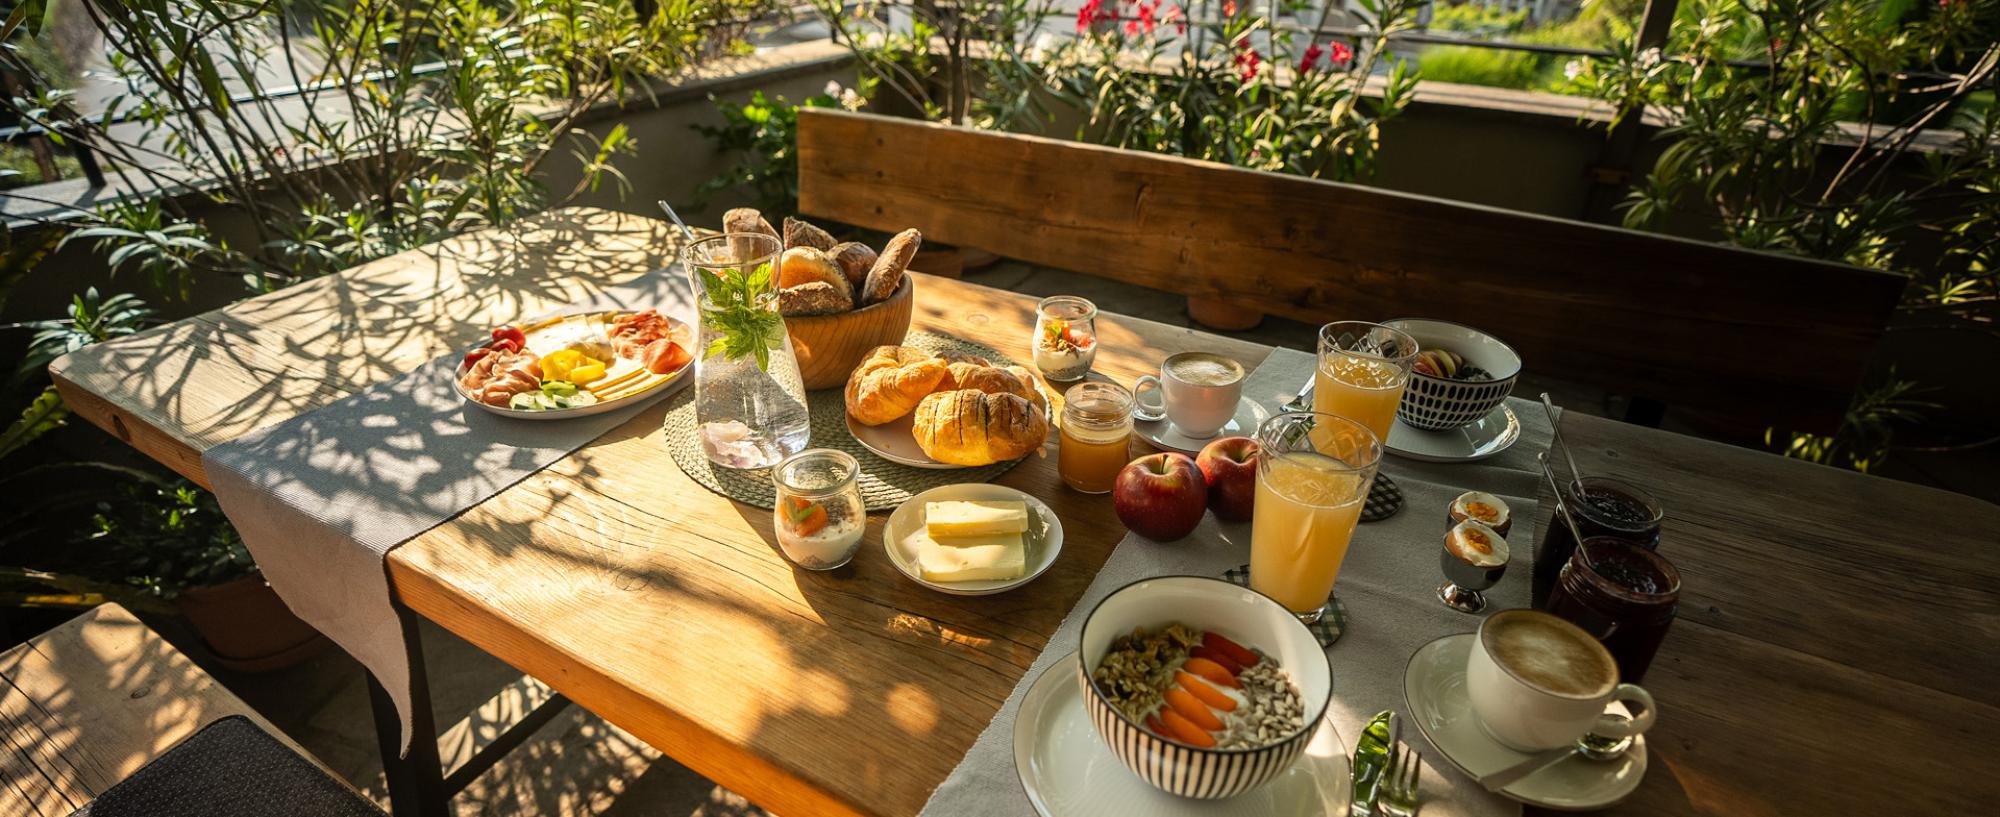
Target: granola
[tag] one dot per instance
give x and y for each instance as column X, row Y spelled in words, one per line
column 1199, row 688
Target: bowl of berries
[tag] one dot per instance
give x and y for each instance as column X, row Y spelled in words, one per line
column 1461, row 374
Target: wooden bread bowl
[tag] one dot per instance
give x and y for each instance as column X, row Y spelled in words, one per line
column 830, row 346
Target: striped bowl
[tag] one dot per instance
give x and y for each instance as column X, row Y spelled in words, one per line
column 1240, row 614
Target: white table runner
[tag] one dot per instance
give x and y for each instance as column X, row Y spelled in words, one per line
column 1387, row 583
column 322, row 498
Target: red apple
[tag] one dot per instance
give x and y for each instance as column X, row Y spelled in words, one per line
column 1161, row 497
column 1230, row 467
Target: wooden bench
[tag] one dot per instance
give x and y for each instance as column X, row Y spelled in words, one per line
column 1757, row 336
column 86, row 704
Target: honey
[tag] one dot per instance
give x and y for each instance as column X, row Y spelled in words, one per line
column 1096, row 433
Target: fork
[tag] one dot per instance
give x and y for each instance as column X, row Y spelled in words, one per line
column 1396, row 790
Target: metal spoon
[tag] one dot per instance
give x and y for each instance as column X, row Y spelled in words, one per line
column 1562, row 508
column 1591, row 747
column 1555, row 425
column 690, row 233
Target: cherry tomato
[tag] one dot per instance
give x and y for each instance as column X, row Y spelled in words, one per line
column 505, row 333
column 474, row 356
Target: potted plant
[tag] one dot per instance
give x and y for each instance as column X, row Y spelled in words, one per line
column 172, row 542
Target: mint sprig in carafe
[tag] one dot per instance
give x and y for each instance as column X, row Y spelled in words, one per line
column 750, row 402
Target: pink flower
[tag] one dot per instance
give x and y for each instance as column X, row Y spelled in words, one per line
column 1149, row 15
column 1091, row 12
column 1337, row 53
column 1180, row 21
column 1246, row 60
column 1229, row 8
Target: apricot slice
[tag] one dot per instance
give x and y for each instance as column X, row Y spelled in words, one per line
column 1209, row 695
column 1213, row 672
column 1154, row 726
column 1192, row 708
column 1217, row 656
column 1237, row 652
column 1185, row 731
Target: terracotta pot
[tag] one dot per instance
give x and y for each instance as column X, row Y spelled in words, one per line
column 248, row 627
column 1215, row 314
column 830, row 346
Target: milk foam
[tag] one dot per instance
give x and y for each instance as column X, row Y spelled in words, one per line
column 1554, row 658
column 1205, row 370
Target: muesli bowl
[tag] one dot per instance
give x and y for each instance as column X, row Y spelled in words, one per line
column 1438, row 403
column 1237, row 614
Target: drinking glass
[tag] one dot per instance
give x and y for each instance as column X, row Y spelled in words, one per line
column 750, row 402
column 1600, row 506
column 1096, row 430
column 1312, row 480
column 1065, row 339
column 1363, row 369
column 1623, row 594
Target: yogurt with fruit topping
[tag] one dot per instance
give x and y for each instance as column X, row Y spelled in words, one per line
column 820, row 534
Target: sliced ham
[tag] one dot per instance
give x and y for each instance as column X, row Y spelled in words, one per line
column 497, row 377
column 665, row 356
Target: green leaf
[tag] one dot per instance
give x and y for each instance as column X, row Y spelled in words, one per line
column 45, row 414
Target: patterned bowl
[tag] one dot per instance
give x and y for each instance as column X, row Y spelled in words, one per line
column 1238, row 613
column 1440, row 404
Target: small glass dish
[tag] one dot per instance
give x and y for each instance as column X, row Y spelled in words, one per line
column 1065, row 340
column 819, row 518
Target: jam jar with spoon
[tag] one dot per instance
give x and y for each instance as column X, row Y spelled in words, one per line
column 1624, row 594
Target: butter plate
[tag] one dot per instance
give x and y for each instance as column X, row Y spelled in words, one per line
column 1042, row 542
column 1067, row 771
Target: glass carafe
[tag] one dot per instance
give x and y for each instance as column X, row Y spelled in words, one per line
column 750, row 402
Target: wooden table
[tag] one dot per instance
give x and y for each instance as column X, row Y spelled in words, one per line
column 1835, row 646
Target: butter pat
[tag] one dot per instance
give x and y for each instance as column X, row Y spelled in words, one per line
column 943, row 519
column 967, row 563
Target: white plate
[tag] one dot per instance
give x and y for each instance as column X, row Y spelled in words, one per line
column 1162, row 433
column 1434, row 689
column 619, row 367
column 1487, row 436
column 896, row 441
column 1043, row 539
column 1066, row 769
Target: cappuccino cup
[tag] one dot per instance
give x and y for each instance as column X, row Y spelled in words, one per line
column 1200, row 391
column 1538, row 682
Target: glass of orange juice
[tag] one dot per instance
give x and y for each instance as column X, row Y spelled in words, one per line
column 1363, row 368
column 1312, row 480
column 1096, row 432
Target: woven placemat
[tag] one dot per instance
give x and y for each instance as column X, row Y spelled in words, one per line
column 1385, row 498
column 1329, row 626
column 884, row 484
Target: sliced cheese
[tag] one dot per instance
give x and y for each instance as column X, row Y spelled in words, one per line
column 975, row 518
column 982, row 540
column 947, row 563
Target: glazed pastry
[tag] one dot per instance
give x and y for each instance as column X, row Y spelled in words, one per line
column 805, row 265
column 855, row 259
column 799, row 233
column 976, row 373
column 968, row 427
column 888, row 271
column 890, row 382
column 745, row 220
column 813, row 298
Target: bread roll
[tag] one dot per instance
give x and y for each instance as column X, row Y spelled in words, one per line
column 745, row 220
column 888, row 271
column 799, row 233
column 890, row 382
column 855, row 259
column 805, row 265
column 967, row 427
column 813, row 298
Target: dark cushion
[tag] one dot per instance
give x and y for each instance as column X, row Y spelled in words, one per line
column 230, row 768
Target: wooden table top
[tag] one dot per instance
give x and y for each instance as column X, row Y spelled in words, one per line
column 1833, row 650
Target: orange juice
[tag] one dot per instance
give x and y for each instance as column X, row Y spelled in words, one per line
column 1363, row 389
column 1306, row 510
column 1096, row 427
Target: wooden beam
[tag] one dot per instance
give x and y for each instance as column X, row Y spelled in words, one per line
column 1772, row 337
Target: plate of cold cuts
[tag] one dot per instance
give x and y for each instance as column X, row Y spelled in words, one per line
column 576, row 365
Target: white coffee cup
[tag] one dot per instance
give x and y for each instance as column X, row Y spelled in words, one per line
column 1538, row 682
column 1200, row 390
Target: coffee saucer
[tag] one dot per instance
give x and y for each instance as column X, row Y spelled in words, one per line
column 1163, row 434
column 1485, row 437
column 1434, row 690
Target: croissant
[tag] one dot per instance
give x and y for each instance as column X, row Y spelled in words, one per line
column 976, row 373
column 967, row 427
column 890, row 382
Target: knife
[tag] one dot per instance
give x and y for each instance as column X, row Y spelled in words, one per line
column 1371, row 753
